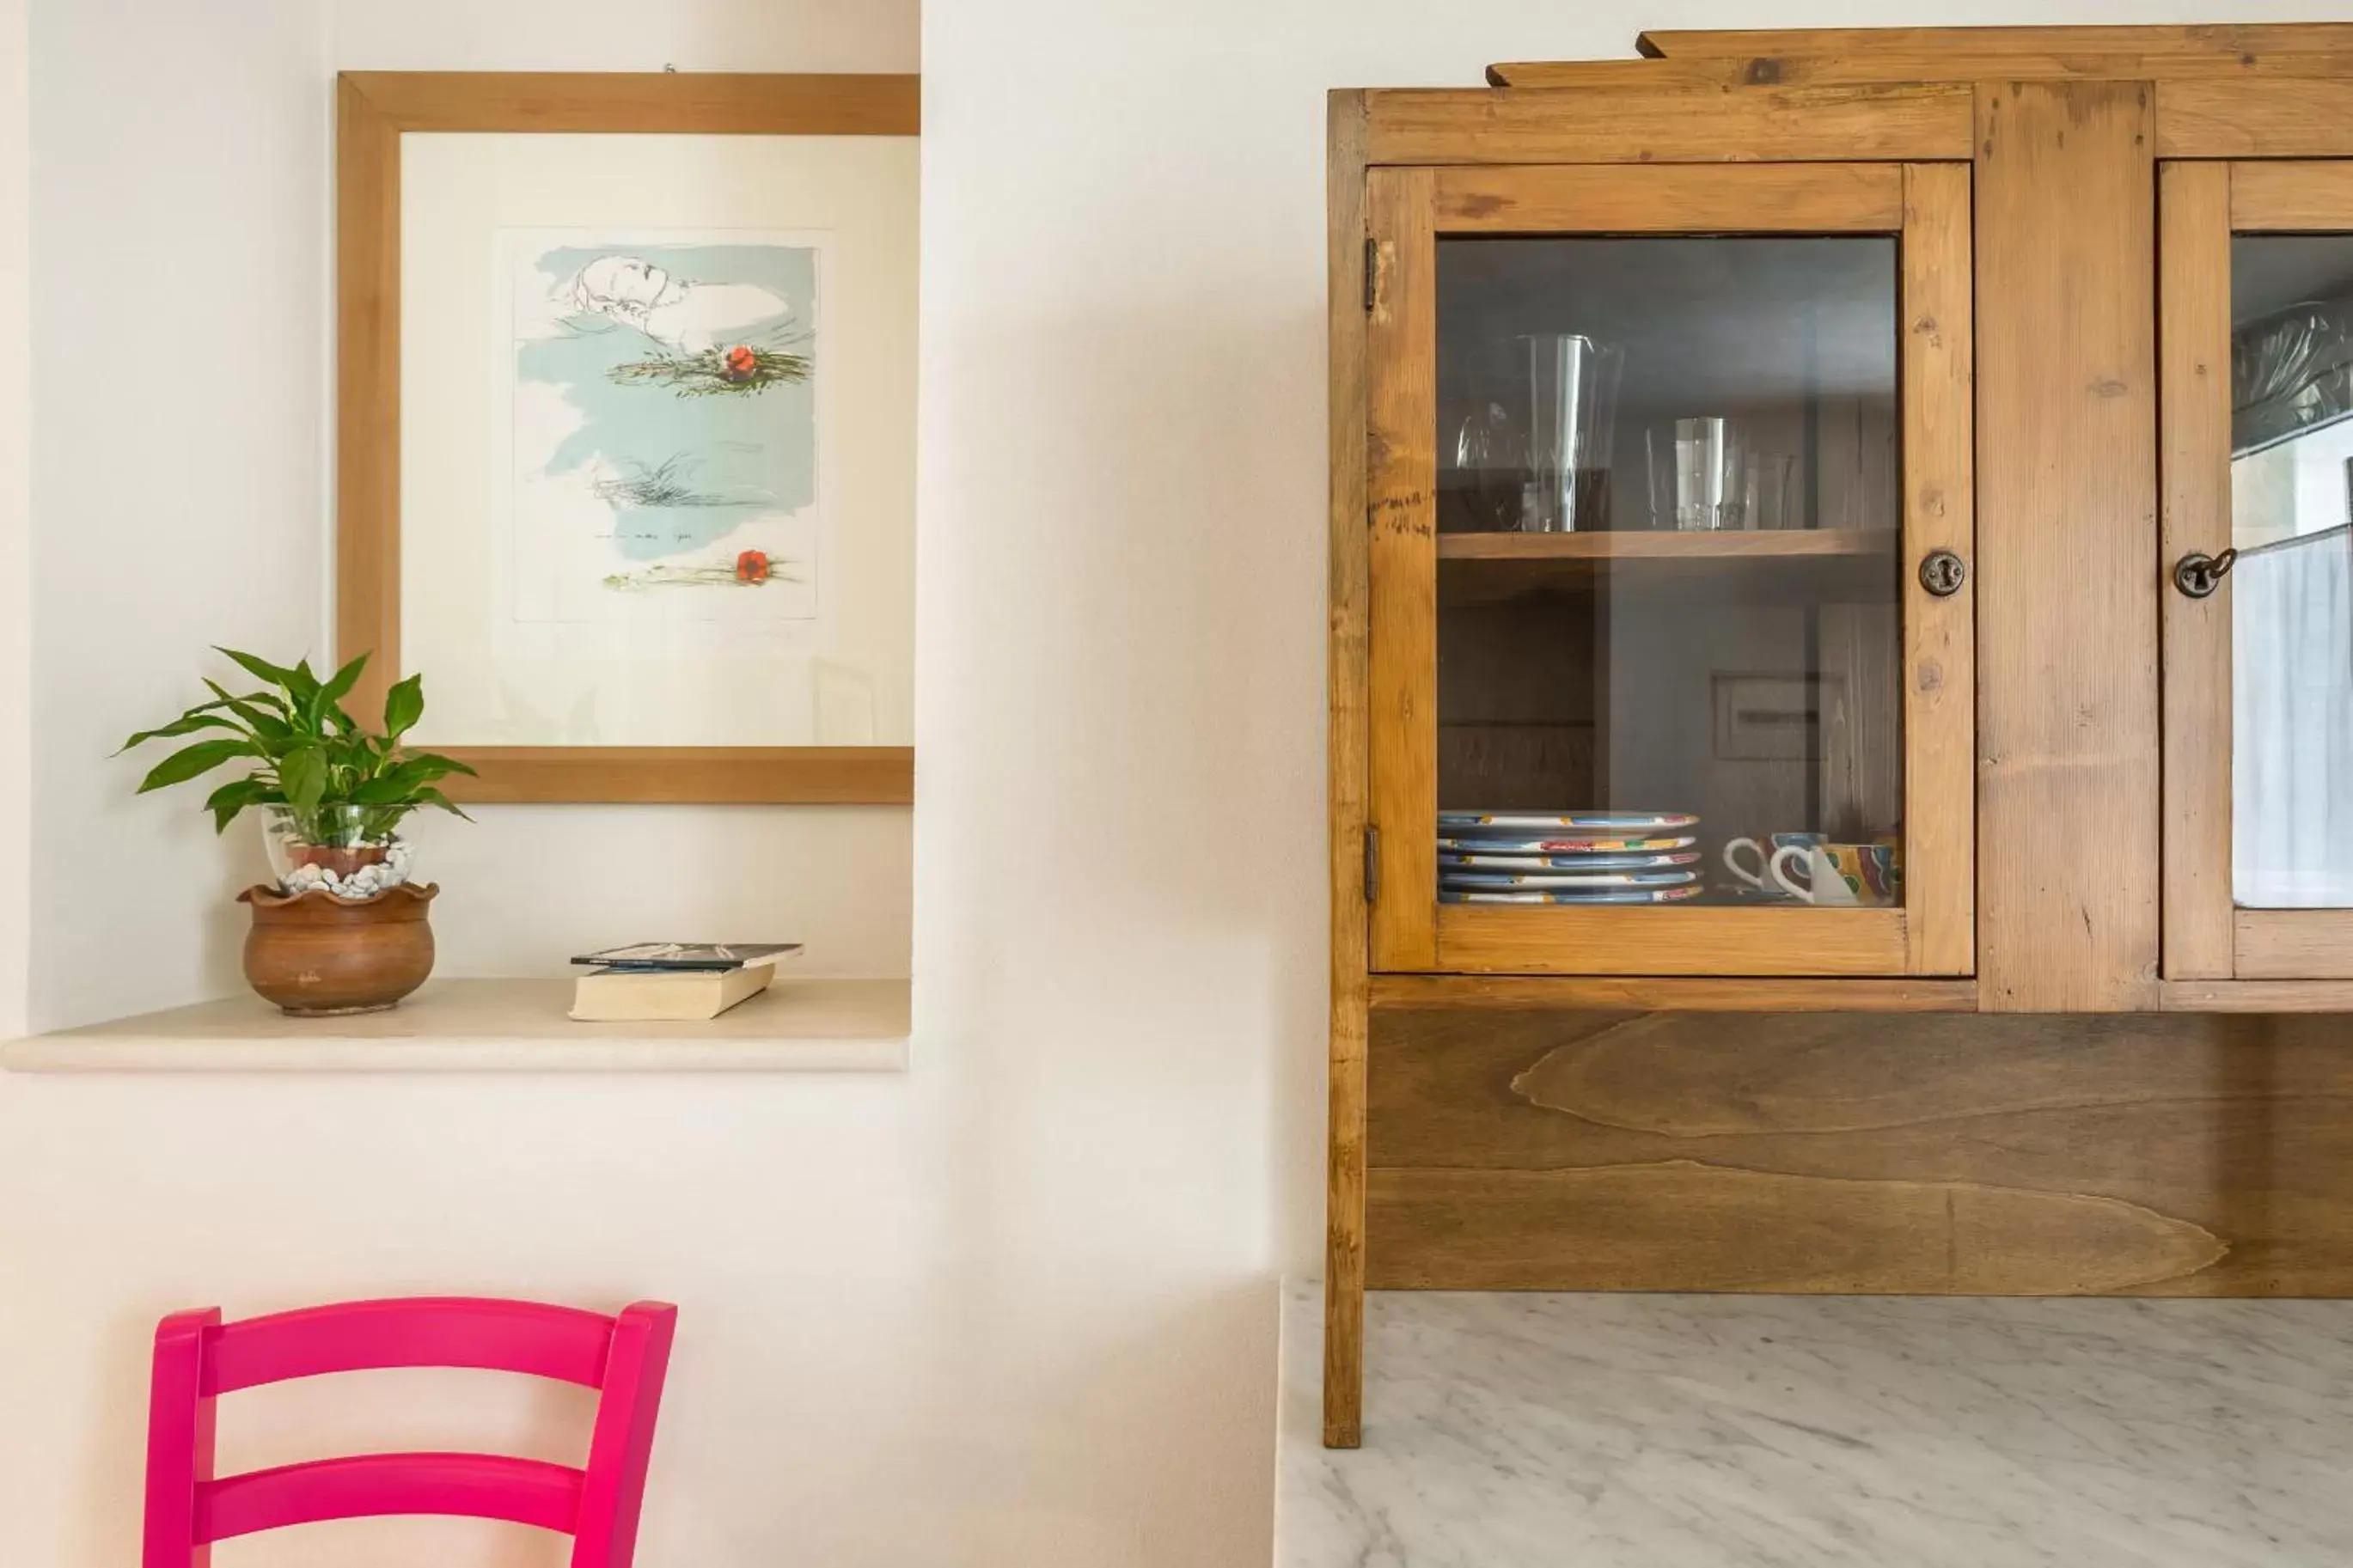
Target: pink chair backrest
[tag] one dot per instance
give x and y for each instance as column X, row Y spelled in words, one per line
column 198, row 1358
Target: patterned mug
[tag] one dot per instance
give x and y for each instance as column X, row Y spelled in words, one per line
column 1870, row 875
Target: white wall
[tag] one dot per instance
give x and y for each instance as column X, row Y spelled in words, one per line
column 179, row 275
column 16, row 525
column 1015, row 1308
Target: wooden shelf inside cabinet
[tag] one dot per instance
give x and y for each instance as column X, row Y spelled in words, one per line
column 1482, row 567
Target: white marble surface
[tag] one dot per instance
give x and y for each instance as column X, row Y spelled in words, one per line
column 1904, row 1432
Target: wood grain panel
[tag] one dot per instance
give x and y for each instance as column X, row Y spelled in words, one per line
column 1888, row 64
column 1668, row 125
column 2067, row 620
column 2194, row 453
column 1823, row 198
column 1683, row 1225
column 2133, row 1153
column 2292, row 944
column 1670, row 940
column 2291, row 197
column 1702, row 995
column 1347, row 613
column 2222, row 38
column 2265, row 118
column 688, row 775
column 706, row 102
column 1939, row 661
column 1401, row 488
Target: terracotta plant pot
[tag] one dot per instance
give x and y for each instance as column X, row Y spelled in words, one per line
column 315, row 955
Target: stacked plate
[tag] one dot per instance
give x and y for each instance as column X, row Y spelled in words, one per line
column 1567, row 857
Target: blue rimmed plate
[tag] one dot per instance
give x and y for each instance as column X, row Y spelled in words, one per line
column 1618, row 896
column 1560, row 844
column 1480, row 860
column 1551, row 823
column 1485, row 881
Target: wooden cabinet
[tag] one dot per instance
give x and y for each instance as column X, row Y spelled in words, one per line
column 1927, row 457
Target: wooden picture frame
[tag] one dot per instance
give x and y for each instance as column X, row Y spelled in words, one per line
column 373, row 110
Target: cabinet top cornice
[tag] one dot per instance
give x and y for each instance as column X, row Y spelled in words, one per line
column 1859, row 56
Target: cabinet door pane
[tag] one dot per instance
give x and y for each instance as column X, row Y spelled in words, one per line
column 2291, row 583
column 1669, row 513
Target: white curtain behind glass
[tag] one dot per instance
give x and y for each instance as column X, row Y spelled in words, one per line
column 2292, row 763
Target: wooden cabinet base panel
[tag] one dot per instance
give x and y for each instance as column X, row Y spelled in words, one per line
column 2013, row 1155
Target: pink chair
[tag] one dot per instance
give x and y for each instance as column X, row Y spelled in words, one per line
column 198, row 1357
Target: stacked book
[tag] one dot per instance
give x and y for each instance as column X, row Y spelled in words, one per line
column 674, row 980
column 1567, row 857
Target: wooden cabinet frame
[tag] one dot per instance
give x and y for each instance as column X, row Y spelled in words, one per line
column 1926, row 207
column 2023, row 168
column 2202, row 204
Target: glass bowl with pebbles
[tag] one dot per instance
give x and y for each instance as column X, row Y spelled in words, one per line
column 351, row 852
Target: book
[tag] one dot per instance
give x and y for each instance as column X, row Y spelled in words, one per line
column 684, row 995
column 689, row 955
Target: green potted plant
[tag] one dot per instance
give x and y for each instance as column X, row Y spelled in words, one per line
column 344, row 930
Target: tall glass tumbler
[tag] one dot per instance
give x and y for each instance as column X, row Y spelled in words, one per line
column 1572, row 420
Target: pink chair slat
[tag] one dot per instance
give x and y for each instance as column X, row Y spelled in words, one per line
column 474, row 1486
column 561, row 1343
column 179, row 1439
column 624, row 1440
column 198, row 1357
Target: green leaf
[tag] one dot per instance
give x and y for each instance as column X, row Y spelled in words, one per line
column 405, row 784
column 276, row 674
column 188, row 761
column 233, row 797
column 404, row 705
column 268, row 726
column 386, row 791
column 435, row 797
column 303, row 774
column 257, row 699
column 188, row 723
column 442, row 764
column 344, row 679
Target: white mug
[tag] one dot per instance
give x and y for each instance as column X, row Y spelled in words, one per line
column 1824, row 885
column 1764, row 852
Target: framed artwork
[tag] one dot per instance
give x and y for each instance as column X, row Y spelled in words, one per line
column 625, row 427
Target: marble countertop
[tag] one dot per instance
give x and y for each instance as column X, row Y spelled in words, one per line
column 1758, row 1431
column 495, row 1025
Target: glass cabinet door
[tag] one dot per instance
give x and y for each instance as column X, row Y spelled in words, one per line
column 2259, row 278
column 1641, row 439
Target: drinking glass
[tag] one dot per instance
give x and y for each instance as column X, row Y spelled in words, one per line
column 1572, row 421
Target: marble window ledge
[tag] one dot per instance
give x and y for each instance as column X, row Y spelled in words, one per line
column 493, row 1026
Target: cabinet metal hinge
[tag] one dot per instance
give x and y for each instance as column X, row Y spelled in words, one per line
column 1372, row 272
column 1372, row 865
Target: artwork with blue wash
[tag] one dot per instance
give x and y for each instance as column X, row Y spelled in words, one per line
column 665, row 441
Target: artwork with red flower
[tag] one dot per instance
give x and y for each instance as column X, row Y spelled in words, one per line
column 665, row 430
